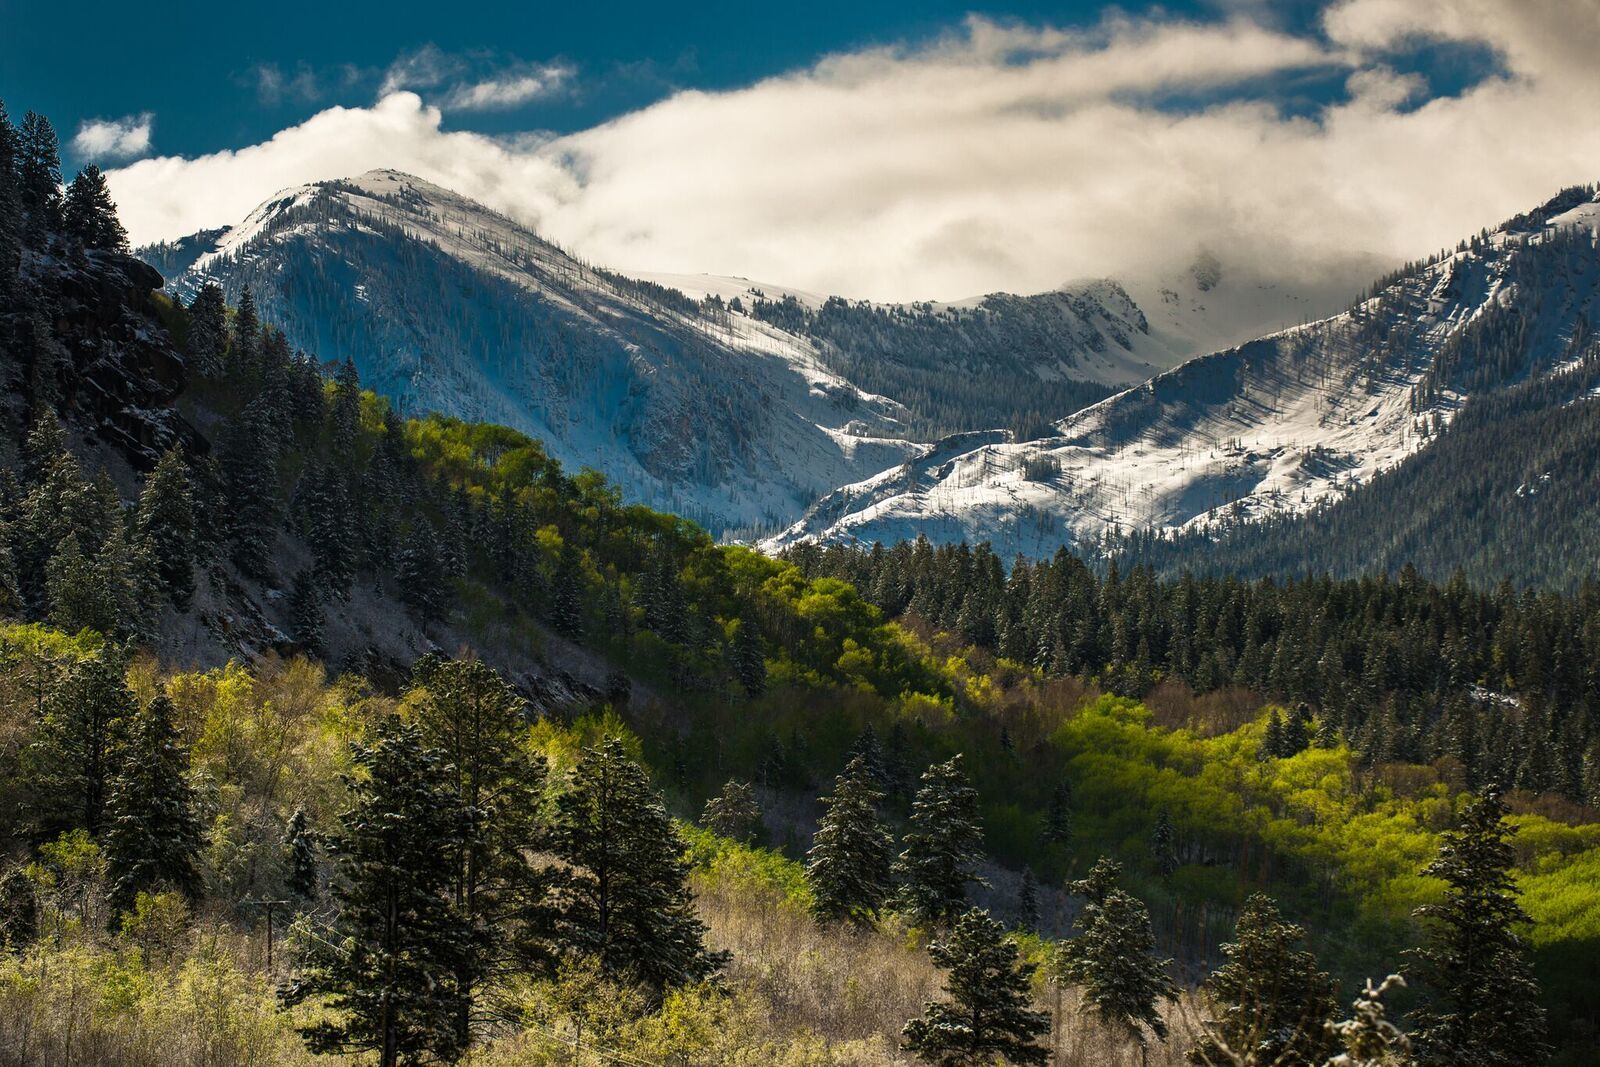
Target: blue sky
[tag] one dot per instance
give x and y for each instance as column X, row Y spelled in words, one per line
column 216, row 76
column 886, row 150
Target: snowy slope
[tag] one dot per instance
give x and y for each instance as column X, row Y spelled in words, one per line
column 1277, row 424
column 737, row 416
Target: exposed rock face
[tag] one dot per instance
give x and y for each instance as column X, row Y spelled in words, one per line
column 93, row 345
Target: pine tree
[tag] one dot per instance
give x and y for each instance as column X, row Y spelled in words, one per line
column 10, row 206
column 566, row 605
column 1163, row 845
column 346, row 413
column 1273, row 744
column 89, row 216
column 476, row 723
column 244, row 350
column 1028, row 900
column 1269, row 1003
column 153, row 837
column 207, row 342
column 300, row 848
column 1481, row 998
column 988, row 1014
column 390, row 971
column 307, row 621
column 1058, row 817
column 39, row 177
column 628, row 901
column 734, row 812
column 848, row 865
column 943, row 847
column 421, row 573
column 749, row 658
column 249, row 462
column 165, row 527
column 1113, row 961
column 325, row 511
column 84, row 723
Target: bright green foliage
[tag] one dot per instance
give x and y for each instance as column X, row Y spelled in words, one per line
column 733, row 813
column 1269, row 1004
column 389, row 974
column 848, row 867
column 943, row 847
column 153, row 836
column 628, row 901
column 1482, row 1000
column 988, row 1015
column 1113, row 962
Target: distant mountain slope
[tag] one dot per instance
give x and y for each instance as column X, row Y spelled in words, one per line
column 734, row 403
column 1278, row 425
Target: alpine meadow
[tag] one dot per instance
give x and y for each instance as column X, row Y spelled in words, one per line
column 1127, row 594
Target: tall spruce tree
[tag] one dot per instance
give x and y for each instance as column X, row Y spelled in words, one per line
column 300, row 854
column 1028, row 900
column 1058, row 816
column 39, row 177
column 988, row 1014
column 307, row 619
column 390, row 971
column 164, row 525
column 153, row 836
column 943, row 847
column 244, row 348
column 1481, row 1000
column 85, row 720
column 1114, row 963
column 207, row 342
column 848, row 867
column 1164, row 845
column 477, row 724
column 10, row 207
column 749, row 658
column 89, row 216
column 1269, row 1004
column 628, row 901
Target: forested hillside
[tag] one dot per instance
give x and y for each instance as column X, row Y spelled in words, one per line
column 330, row 735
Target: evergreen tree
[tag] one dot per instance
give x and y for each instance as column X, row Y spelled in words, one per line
column 390, row 974
column 749, row 658
column 734, row 812
column 566, row 605
column 1028, row 900
column 165, row 527
column 85, row 720
column 1113, row 961
column 1269, row 1003
column 207, row 342
column 1163, row 845
column 244, row 350
column 1273, row 744
column 988, row 1015
column 628, row 901
column 943, row 847
column 82, row 591
column 10, row 206
column 300, row 848
column 1058, row 817
column 1481, row 998
column 346, row 413
column 1368, row 1038
column 249, row 462
column 307, row 625
column 39, row 177
column 325, row 516
column 153, row 837
column 476, row 723
column 89, row 216
column 848, row 865
column 421, row 574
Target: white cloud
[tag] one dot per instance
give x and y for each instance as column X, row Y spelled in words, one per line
column 1000, row 156
column 113, row 139
column 506, row 91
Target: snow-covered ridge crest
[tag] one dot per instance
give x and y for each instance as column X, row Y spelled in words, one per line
column 1278, row 424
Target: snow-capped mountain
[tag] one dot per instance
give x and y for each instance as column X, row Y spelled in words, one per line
column 1276, row 425
column 732, row 402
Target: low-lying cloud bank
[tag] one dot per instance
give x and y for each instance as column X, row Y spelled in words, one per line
column 1003, row 157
